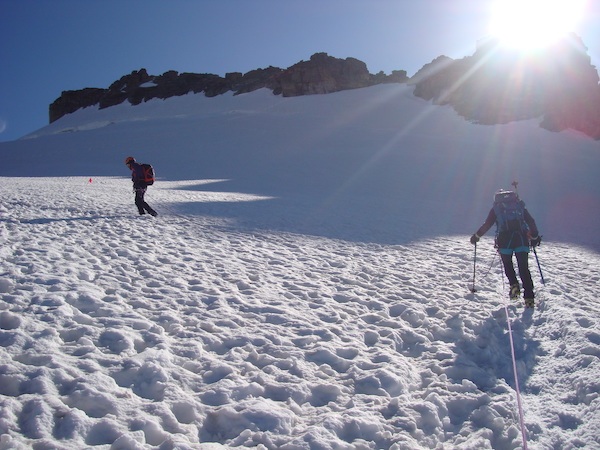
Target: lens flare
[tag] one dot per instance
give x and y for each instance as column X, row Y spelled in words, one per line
column 534, row 24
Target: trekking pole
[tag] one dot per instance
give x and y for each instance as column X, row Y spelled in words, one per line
column 473, row 290
column 538, row 264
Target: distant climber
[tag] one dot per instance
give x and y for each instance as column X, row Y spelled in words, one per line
column 142, row 176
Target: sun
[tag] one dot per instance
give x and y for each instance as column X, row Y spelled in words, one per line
column 533, row 24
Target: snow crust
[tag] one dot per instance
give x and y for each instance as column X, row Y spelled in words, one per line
column 305, row 286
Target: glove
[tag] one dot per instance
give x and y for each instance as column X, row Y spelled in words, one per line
column 536, row 241
column 474, row 239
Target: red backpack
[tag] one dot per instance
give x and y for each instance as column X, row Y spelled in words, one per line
column 148, row 174
column 143, row 173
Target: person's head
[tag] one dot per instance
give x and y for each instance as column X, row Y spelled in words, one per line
column 129, row 161
column 503, row 194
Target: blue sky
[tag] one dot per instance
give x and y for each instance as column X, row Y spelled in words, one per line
column 48, row 46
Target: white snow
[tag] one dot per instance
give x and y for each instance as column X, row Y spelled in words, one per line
column 305, row 285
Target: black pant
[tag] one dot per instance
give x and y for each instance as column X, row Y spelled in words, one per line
column 524, row 273
column 141, row 204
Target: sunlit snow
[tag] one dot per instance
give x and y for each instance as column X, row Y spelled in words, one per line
column 305, row 285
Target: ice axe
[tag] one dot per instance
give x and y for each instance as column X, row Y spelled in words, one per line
column 473, row 290
column 538, row 264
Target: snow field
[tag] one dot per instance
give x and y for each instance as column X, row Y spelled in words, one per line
column 120, row 331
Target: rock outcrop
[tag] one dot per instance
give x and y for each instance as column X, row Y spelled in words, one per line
column 323, row 74
column 497, row 85
column 71, row 101
column 320, row 75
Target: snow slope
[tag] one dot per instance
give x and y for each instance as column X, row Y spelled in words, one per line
column 305, row 286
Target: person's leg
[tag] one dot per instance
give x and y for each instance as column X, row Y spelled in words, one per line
column 509, row 270
column 525, row 274
column 141, row 203
column 139, row 200
column 150, row 210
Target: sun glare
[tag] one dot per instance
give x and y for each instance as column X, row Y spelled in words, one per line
column 533, row 24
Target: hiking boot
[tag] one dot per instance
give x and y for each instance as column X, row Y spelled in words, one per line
column 515, row 291
column 529, row 303
column 153, row 213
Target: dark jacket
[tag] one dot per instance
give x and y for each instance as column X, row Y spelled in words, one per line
column 510, row 239
column 137, row 176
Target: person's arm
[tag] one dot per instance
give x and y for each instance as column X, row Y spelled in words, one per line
column 491, row 220
column 134, row 173
column 534, row 236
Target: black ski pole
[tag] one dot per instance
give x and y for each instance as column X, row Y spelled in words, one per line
column 474, row 264
column 538, row 264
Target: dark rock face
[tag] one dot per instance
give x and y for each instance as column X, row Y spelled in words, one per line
column 492, row 86
column 320, row 75
column 138, row 87
column 497, row 85
column 323, row 74
column 428, row 71
column 71, row 101
column 256, row 79
column 572, row 91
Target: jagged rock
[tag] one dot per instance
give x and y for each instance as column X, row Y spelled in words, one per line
column 572, row 91
column 320, row 75
column 497, row 85
column 124, row 88
column 71, row 101
column 257, row 79
column 492, row 86
column 429, row 71
column 323, row 74
column 397, row 76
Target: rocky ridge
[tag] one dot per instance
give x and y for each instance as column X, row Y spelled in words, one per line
column 322, row 74
column 495, row 85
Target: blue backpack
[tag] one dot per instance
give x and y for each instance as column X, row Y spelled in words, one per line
column 510, row 212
